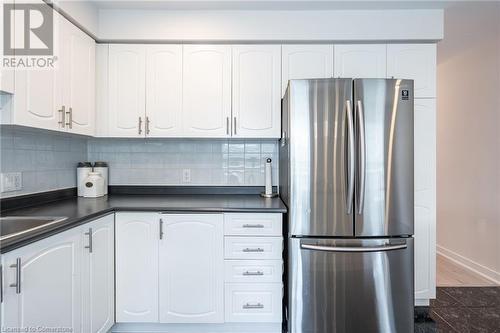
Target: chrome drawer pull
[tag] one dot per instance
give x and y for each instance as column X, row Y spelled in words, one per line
column 253, row 306
column 255, row 273
column 253, row 226
column 253, row 250
column 17, row 285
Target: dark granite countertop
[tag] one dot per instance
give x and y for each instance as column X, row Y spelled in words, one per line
column 82, row 210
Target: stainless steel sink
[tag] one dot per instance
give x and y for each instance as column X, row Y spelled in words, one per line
column 11, row 226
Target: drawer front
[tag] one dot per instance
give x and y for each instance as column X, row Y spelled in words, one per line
column 253, row 247
column 261, row 224
column 259, row 302
column 253, row 271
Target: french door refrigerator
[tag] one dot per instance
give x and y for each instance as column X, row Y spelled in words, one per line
column 346, row 175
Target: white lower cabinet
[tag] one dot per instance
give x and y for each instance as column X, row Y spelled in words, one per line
column 57, row 283
column 192, row 269
column 43, row 284
column 99, row 275
column 137, row 240
column 256, row 302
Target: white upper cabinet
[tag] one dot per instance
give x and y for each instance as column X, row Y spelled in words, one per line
column 137, row 236
column 360, row 60
column 256, row 91
column 126, row 99
column 305, row 62
column 414, row 61
column 425, row 198
column 49, row 284
column 192, row 269
column 206, row 90
column 164, row 90
column 79, row 82
column 63, row 97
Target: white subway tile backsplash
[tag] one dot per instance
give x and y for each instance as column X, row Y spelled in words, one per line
column 162, row 161
column 48, row 160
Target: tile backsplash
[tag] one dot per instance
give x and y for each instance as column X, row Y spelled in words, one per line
column 185, row 161
column 46, row 160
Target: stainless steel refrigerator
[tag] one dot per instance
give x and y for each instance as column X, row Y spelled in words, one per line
column 346, row 175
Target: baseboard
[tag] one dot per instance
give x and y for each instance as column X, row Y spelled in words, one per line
column 471, row 265
column 196, row 328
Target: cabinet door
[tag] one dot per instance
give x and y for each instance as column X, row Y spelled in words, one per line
column 305, row 62
column 137, row 236
column 192, row 269
column 206, row 90
column 50, row 284
column 164, row 90
column 360, row 61
column 127, row 89
column 425, row 199
column 98, row 276
column 38, row 92
column 79, row 97
column 256, row 91
column 414, row 61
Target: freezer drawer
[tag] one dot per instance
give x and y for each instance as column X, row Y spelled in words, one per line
column 350, row 285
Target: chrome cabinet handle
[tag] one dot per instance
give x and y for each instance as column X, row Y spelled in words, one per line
column 253, row 226
column 362, row 158
column 70, row 118
column 353, row 249
column 253, row 306
column 235, row 133
column 258, row 249
column 17, row 285
column 227, row 125
column 350, row 179
column 161, row 228
column 140, row 125
column 62, row 122
column 1, row 283
column 147, row 125
column 89, row 233
column 255, row 273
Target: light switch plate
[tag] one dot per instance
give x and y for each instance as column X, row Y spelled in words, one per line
column 12, row 181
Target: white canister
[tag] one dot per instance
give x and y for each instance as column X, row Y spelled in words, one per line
column 93, row 185
column 102, row 167
column 82, row 172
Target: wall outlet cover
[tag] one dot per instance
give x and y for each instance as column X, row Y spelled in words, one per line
column 186, row 175
column 12, row 181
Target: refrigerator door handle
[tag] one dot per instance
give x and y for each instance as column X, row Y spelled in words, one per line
column 350, row 178
column 362, row 157
column 353, row 249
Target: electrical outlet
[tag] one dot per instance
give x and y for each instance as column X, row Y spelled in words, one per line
column 186, row 175
column 12, row 181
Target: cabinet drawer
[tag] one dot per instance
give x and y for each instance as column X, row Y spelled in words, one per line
column 258, row 302
column 253, row 247
column 253, row 270
column 262, row 224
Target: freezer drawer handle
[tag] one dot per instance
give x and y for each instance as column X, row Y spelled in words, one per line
column 250, row 273
column 258, row 249
column 353, row 249
column 253, row 306
column 253, row 226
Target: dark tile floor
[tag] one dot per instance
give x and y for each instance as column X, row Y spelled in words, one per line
column 463, row 310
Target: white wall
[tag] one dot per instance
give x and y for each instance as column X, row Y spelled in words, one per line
column 83, row 12
column 218, row 25
column 468, row 136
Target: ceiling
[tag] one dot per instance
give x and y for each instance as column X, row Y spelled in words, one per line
column 268, row 5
